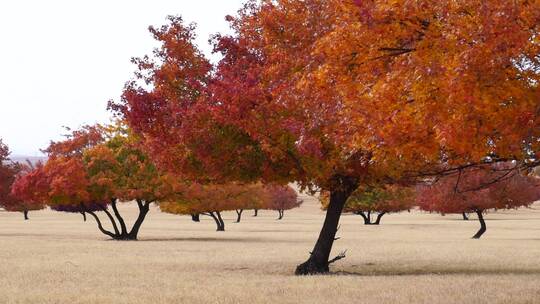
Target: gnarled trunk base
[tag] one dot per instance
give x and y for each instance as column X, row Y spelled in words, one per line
column 318, row 262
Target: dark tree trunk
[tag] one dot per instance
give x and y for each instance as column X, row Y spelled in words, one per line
column 196, row 217
column 379, row 217
column 100, row 227
column 465, row 217
column 217, row 218
column 483, row 227
column 318, row 262
column 221, row 225
column 367, row 219
column 144, row 207
column 123, row 234
column 256, row 212
column 281, row 213
column 84, row 215
column 239, row 215
column 119, row 217
column 25, row 212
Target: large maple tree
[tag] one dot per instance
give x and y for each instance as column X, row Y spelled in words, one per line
column 336, row 94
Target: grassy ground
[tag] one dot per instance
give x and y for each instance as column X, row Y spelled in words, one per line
column 411, row 258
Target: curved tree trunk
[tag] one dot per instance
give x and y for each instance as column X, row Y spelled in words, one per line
column 217, row 218
column 318, row 262
column 144, row 208
column 379, row 217
column 367, row 219
column 465, row 217
column 256, row 212
column 196, row 217
column 122, row 234
column 221, row 226
column 25, row 212
column 239, row 215
column 100, row 226
column 483, row 227
column 119, row 217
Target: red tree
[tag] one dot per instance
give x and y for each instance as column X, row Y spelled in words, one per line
column 280, row 198
column 464, row 193
column 28, row 190
column 10, row 174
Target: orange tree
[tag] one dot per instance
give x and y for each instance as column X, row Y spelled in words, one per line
column 212, row 199
column 97, row 167
column 337, row 94
column 463, row 194
column 368, row 201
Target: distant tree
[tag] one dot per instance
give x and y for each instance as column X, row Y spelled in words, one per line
column 10, row 173
column 372, row 201
column 280, row 198
column 464, row 193
column 28, row 189
column 212, row 200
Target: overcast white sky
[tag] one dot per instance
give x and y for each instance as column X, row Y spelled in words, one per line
column 61, row 61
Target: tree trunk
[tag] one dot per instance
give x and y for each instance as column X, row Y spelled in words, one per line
column 25, row 212
column 83, row 215
column 465, row 217
column 280, row 216
column 379, row 217
column 100, row 227
column 256, row 212
column 483, row 227
column 239, row 215
column 196, row 217
column 318, row 262
column 144, row 207
column 221, row 225
column 366, row 217
column 121, row 221
column 217, row 218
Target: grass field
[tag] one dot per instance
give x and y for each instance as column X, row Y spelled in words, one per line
column 411, row 258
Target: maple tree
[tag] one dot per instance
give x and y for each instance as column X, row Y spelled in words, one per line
column 377, row 201
column 280, row 198
column 338, row 94
column 10, row 175
column 213, row 199
column 96, row 168
column 27, row 190
column 462, row 194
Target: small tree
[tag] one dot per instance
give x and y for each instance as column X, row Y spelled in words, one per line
column 97, row 167
column 280, row 198
column 372, row 201
column 211, row 200
column 464, row 193
column 27, row 190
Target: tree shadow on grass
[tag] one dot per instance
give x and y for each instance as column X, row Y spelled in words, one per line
column 436, row 272
column 218, row 240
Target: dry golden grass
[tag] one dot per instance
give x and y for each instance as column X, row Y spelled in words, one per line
column 411, row 258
